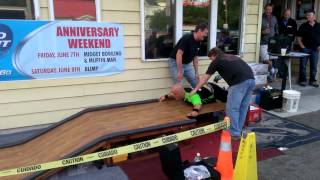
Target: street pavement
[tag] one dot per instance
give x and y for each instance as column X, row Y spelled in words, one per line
column 301, row 162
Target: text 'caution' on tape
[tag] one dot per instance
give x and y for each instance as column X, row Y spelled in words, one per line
column 119, row 150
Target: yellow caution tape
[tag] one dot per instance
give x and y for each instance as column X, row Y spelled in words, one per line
column 119, row 150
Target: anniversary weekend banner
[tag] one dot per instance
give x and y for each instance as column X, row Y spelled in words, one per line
column 59, row 49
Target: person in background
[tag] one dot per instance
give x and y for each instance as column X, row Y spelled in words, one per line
column 208, row 93
column 269, row 28
column 287, row 25
column 308, row 37
column 288, row 28
column 185, row 53
column 151, row 45
column 224, row 41
column 240, row 79
column 164, row 44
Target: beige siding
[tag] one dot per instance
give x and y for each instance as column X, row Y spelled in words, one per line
column 250, row 48
column 251, row 29
column 252, row 19
column 253, row 9
column 132, row 52
column 295, row 68
column 121, row 5
column 253, row 2
column 252, row 37
column 28, row 103
column 131, row 29
column 132, row 41
column 34, row 119
column 121, row 16
column 249, row 56
column 44, row 9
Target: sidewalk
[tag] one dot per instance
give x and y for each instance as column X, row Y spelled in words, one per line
column 309, row 100
column 302, row 162
column 299, row 163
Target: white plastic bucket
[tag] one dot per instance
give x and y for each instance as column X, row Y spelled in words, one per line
column 291, row 100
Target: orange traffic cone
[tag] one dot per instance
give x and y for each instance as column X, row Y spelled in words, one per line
column 224, row 164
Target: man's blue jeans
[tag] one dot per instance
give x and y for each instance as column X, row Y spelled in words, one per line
column 188, row 72
column 313, row 65
column 239, row 97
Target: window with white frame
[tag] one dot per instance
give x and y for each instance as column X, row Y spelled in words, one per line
column 75, row 10
column 165, row 21
column 17, row 9
column 301, row 6
column 229, row 26
column 195, row 12
column 159, row 18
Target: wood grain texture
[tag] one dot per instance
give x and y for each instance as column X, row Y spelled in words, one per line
column 76, row 133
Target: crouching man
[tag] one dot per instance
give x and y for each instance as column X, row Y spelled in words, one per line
column 239, row 76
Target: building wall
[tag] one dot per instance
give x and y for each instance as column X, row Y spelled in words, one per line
column 28, row 103
column 44, row 9
column 252, row 30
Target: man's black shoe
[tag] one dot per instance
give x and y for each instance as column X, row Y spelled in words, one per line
column 314, row 84
column 303, row 83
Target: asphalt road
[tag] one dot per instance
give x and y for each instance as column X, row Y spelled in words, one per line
column 298, row 163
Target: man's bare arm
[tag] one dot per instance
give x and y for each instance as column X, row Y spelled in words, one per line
column 196, row 66
column 179, row 65
column 203, row 80
column 300, row 42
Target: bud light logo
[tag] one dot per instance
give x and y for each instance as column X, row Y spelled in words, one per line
column 5, row 39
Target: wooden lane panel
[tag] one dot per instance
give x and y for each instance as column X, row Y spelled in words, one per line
column 79, row 124
column 74, row 134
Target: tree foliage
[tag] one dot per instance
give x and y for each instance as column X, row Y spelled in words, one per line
column 18, row 3
column 159, row 21
column 195, row 15
column 234, row 13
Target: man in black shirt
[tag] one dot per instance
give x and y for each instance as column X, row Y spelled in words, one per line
column 287, row 25
column 287, row 28
column 185, row 52
column 309, row 41
column 240, row 79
